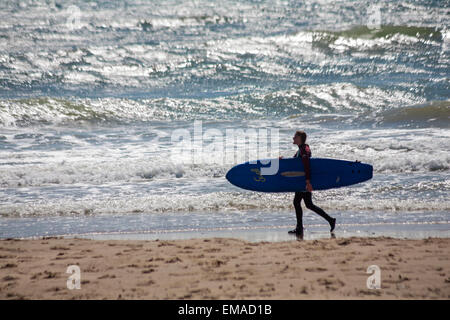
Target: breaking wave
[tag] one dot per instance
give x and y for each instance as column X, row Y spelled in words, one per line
column 321, row 102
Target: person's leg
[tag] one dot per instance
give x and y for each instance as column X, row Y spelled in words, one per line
column 298, row 213
column 307, row 196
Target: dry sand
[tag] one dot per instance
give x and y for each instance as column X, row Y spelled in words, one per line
column 220, row 268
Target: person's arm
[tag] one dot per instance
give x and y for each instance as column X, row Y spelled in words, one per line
column 305, row 160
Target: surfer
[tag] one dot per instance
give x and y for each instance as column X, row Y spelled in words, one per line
column 304, row 153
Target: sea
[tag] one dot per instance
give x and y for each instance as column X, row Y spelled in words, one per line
column 116, row 116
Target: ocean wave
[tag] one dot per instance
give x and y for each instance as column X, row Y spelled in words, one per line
column 390, row 31
column 115, row 170
column 187, row 21
column 19, row 173
column 377, row 112
column 436, row 113
column 338, row 98
column 214, row 202
column 217, row 64
column 45, row 110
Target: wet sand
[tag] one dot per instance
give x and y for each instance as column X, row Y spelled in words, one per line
column 225, row 268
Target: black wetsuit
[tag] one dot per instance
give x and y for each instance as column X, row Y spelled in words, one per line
column 304, row 153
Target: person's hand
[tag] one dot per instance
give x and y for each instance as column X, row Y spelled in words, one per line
column 309, row 186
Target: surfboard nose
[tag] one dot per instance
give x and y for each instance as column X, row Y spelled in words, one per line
column 230, row 174
column 234, row 176
column 227, row 176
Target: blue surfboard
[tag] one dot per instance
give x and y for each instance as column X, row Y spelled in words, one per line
column 290, row 176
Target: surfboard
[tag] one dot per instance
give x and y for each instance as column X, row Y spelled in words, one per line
column 290, row 176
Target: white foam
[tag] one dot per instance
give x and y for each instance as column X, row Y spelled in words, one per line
column 148, row 203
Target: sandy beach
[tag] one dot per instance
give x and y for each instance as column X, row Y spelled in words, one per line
column 225, row 268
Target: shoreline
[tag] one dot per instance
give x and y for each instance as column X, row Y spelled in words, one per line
column 248, row 225
column 279, row 233
column 410, row 230
column 225, row 268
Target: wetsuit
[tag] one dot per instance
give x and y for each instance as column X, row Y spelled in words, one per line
column 304, row 153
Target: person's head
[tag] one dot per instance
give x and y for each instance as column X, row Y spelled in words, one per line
column 299, row 137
